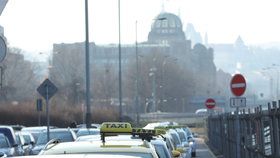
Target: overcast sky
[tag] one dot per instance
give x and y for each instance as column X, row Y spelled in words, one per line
column 34, row 25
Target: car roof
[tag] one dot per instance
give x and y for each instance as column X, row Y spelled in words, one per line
column 96, row 146
column 99, row 155
column 88, row 138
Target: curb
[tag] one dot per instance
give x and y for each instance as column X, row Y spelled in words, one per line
column 210, row 151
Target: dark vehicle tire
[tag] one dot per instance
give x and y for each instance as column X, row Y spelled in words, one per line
column 193, row 154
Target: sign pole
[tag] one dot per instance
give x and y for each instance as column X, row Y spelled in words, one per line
column 238, row 87
column 47, row 89
column 39, row 118
column 237, row 134
column 48, row 116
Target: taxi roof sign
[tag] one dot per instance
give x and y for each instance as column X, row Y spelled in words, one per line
column 116, row 127
column 170, row 127
column 155, row 132
column 109, row 128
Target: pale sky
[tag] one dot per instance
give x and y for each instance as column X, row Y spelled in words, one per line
column 34, row 25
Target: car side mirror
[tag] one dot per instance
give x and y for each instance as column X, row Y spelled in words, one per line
column 176, row 153
column 15, row 145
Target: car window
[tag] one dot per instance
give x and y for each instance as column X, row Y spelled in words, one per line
column 4, row 143
column 64, row 136
column 27, row 139
column 7, row 132
column 18, row 139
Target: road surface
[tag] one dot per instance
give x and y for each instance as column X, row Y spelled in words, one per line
column 202, row 150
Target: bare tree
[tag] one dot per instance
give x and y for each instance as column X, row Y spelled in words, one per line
column 172, row 82
column 19, row 82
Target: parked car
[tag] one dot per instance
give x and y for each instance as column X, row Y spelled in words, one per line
column 5, row 147
column 35, row 131
column 191, row 140
column 10, row 134
column 64, row 135
column 85, row 131
column 26, row 141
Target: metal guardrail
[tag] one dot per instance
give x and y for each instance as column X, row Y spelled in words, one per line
column 259, row 133
column 181, row 118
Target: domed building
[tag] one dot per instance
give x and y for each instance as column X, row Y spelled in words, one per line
column 166, row 29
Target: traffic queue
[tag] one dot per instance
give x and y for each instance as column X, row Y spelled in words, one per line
column 110, row 139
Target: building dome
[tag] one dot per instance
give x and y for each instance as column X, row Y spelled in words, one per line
column 167, row 20
column 166, row 28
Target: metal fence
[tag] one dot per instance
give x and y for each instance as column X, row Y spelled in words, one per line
column 256, row 137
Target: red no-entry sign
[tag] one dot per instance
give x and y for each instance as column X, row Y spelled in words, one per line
column 238, row 85
column 210, row 103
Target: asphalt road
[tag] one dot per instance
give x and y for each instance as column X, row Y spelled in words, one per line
column 202, row 150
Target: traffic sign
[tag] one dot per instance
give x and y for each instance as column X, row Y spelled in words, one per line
column 210, row 103
column 238, row 85
column 3, row 49
column 238, row 102
column 47, row 89
column 39, row 105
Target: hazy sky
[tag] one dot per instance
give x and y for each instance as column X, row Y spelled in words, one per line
column 34, row 25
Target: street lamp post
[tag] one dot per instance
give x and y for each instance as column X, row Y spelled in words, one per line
column 120, row 66
column 137, row 76
column 277, row 80
column 270, row 82
column 88, row 111
column 152, row 74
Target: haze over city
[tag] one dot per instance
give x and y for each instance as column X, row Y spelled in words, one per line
column 34, row 25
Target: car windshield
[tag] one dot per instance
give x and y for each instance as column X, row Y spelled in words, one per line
column 182, row 136
column 188, row 131
column 176, row 139
column 64, row 136
column 162, row 153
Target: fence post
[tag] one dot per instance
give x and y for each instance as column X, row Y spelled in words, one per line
column 275, row 129
column 261, row 152
column 271, row 129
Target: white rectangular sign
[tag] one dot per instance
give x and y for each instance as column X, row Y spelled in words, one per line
column 238, row 102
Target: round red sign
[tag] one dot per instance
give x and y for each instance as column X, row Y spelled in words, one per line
column 210, row 103
column 238, row 85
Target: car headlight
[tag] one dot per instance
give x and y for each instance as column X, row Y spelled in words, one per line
column 190, row 143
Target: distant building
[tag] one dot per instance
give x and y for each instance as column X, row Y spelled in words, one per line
column 166, row 36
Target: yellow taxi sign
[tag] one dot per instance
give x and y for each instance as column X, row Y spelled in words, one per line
column 160, row 131
column 147, row 131
column 116, row 127
column 170, row 127
column 143, row 131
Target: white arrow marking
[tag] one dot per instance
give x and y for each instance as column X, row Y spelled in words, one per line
column 210, row 103
column 238, row 85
